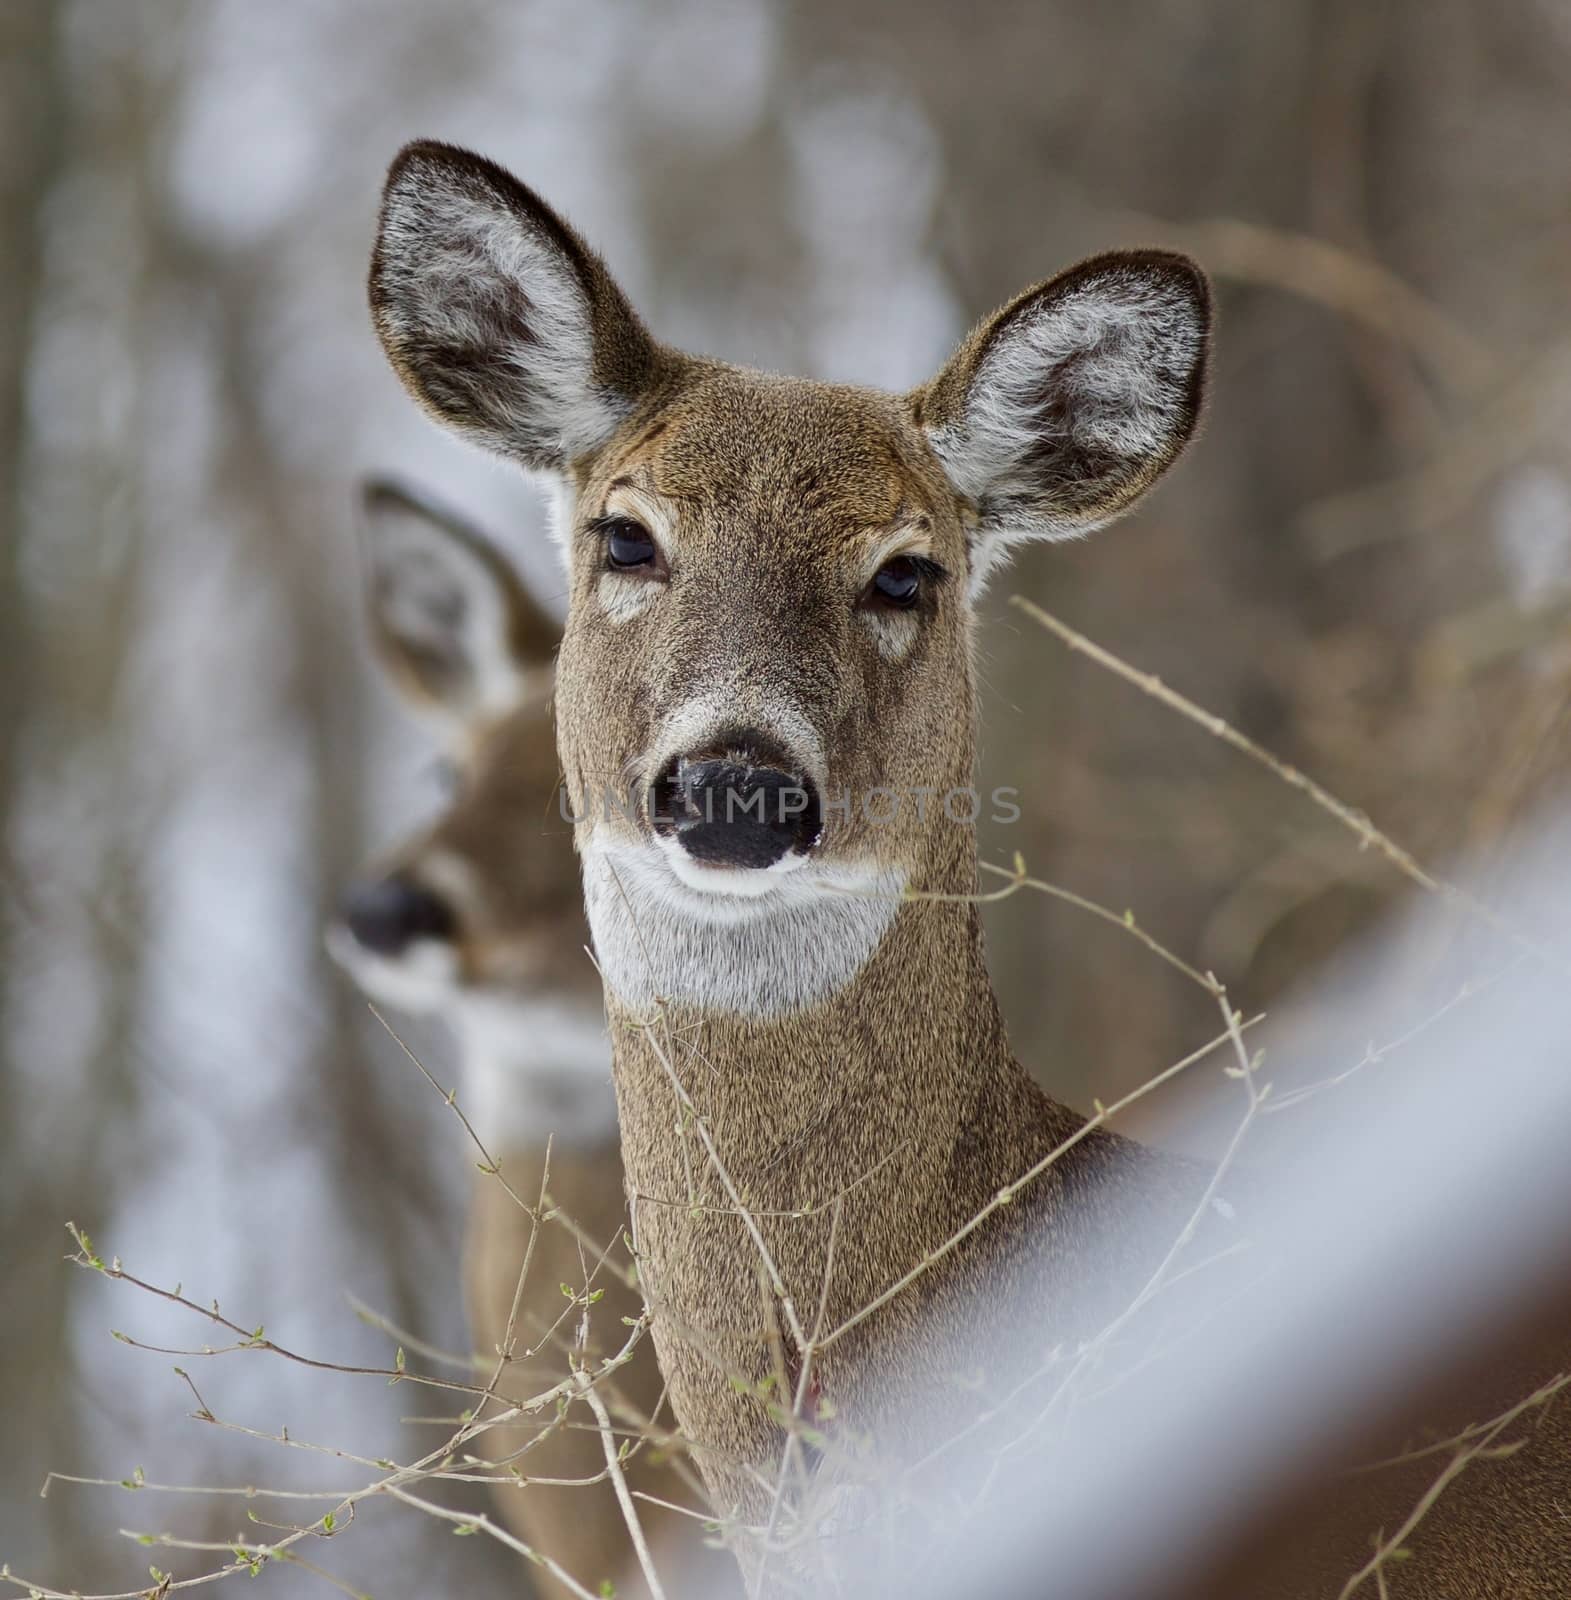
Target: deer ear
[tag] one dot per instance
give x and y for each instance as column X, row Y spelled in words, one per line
column 499, row 319
column 455, row 628
column 1062, row 409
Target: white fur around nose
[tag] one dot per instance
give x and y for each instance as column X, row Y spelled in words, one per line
column 699, row 724
column 466, row 273
column 419, row 980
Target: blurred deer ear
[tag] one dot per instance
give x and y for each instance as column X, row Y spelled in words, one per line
column 455, row 628
column 1062, row 409
column 499, row 319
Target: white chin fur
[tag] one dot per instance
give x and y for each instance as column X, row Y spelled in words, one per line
column 536, row 1069
column 530, row 1069
column 420, row 981
column 788, row 940
column 738, row 883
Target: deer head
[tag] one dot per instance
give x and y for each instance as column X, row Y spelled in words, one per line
column 478, row 918
column 765, row 702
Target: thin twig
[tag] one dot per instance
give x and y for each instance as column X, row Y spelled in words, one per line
column 1481, row 1445
column 1368, row 835
column 613, row 1462
column 1006, row 1195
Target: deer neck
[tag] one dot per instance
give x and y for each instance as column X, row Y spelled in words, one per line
column 859, row 1124
column 897, row 1080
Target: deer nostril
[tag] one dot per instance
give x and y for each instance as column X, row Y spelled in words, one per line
column 387, row 915
column 737, row 809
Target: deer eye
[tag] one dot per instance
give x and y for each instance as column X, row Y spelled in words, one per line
column 898, row 584
column 628, row 544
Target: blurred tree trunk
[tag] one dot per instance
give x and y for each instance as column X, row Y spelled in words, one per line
column 30, row 113
column 34, row 1349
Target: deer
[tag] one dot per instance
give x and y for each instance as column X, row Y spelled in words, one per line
column 478, row 920
column 766, row 722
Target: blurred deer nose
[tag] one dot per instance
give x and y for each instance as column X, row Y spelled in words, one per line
column 387, row 915
column 737, row 807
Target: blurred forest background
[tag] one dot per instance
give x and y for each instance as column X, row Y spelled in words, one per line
column 1365, row 564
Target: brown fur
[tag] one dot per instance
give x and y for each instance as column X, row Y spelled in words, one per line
column 906, row 1074
column 897, row 1092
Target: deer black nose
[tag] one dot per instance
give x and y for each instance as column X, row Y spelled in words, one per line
column 739, row 807
column 387, row 915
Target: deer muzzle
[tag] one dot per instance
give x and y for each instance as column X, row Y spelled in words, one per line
column 740, row 806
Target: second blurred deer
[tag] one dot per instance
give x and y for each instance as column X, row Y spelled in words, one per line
column 479, row 919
